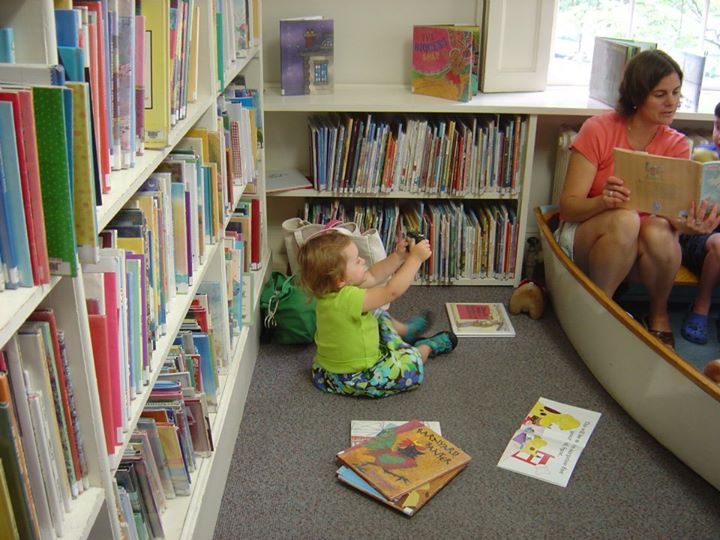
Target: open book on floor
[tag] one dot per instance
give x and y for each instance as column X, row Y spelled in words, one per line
column 479, row 319
column 549, row 441
column 403, row 466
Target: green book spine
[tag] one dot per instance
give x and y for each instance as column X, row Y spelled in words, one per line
column 13, row 463
column 55, row 179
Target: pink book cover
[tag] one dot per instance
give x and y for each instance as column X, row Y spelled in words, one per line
column 24, row 120
column 112, row 314
column 99, row 338
column 99, row 88
column 442, row 61
column 140, row 84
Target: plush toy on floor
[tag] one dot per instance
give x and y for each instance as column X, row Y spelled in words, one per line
column 712, row 370
column 528, row 297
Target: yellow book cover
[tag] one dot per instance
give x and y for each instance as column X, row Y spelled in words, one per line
column 202, row 134
column 217, row 213
column 157, row 64
column 86, row 227
column 401, row 459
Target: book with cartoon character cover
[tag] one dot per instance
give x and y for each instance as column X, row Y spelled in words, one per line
column 402, row 459
column 363, row 430
column 446, row 61
column 549, row 442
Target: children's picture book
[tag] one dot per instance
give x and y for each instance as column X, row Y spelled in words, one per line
column 610, row 56
column 549, row 442
column 306, row 56
column 407, row 504
column 362, row 430
column 402, row 459
column 666, row 186
column 445, row 61
column 479, row 319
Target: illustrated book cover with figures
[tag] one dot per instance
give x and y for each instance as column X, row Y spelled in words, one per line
column 306, row 56
column 549, row 442
column 404, row 458
column 666, row 186
column 363, row 430
column 445, row 61
column 479, row 319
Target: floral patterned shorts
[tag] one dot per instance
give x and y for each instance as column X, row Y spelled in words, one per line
column 399, row 368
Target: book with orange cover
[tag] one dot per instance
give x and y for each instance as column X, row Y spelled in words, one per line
column 409, row 504
column 402, row 459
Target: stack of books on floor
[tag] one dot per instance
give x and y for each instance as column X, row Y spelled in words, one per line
column 403, row 465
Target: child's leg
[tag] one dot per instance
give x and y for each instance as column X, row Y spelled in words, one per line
column 412, row 329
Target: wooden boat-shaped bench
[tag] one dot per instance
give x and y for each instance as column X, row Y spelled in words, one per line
column 667, row 396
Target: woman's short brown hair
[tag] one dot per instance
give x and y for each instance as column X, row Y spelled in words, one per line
column 322, row 262
column 641, row 75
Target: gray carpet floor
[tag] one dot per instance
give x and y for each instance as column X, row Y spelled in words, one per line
column 626, row 485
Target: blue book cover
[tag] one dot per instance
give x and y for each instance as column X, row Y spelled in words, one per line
column 7, row 247
column 7, row 45
column 68, row 25
column 204, row 348
column 73, row 61
column 15, row 206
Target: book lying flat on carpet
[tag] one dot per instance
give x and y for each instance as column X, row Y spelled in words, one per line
column 402, row 459
column 479, row 319
column 549, row 442
column 363, row 430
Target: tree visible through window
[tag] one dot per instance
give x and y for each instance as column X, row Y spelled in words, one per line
column 675, row 25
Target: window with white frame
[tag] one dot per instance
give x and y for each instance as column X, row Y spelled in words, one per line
column 674, row 25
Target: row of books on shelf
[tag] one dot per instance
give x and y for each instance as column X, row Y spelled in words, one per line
column 469, row 240
column 438, row 154
column 49, row 192
column 404, row 464
column 141, row 62
column 44, row 464
column 237, row 24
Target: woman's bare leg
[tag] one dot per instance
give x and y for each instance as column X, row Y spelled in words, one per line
column 606, row 247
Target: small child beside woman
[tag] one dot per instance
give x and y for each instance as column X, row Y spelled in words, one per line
column 361, row 349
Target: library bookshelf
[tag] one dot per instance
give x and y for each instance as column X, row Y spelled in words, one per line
column 372, row 78
column 93, row 513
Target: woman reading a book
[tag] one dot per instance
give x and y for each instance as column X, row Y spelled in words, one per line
column 361, row 349
column 612, row 244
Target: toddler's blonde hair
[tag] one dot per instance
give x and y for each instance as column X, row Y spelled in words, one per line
column 322, row 262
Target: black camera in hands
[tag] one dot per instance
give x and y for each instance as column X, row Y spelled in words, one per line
column 414, row 235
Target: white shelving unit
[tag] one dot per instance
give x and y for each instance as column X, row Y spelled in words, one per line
column 93, row 514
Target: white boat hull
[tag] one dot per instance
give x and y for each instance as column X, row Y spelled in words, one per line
column 672, row 400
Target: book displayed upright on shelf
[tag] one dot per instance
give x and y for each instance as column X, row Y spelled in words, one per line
column 549, row 442
column 610, row 56
column 401, row 459
column 446, row 61
column 666, row 186
column 693, row 67
column 479, row 319
column 306, row 56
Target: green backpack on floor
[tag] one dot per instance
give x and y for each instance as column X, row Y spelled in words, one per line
column 287, row 311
